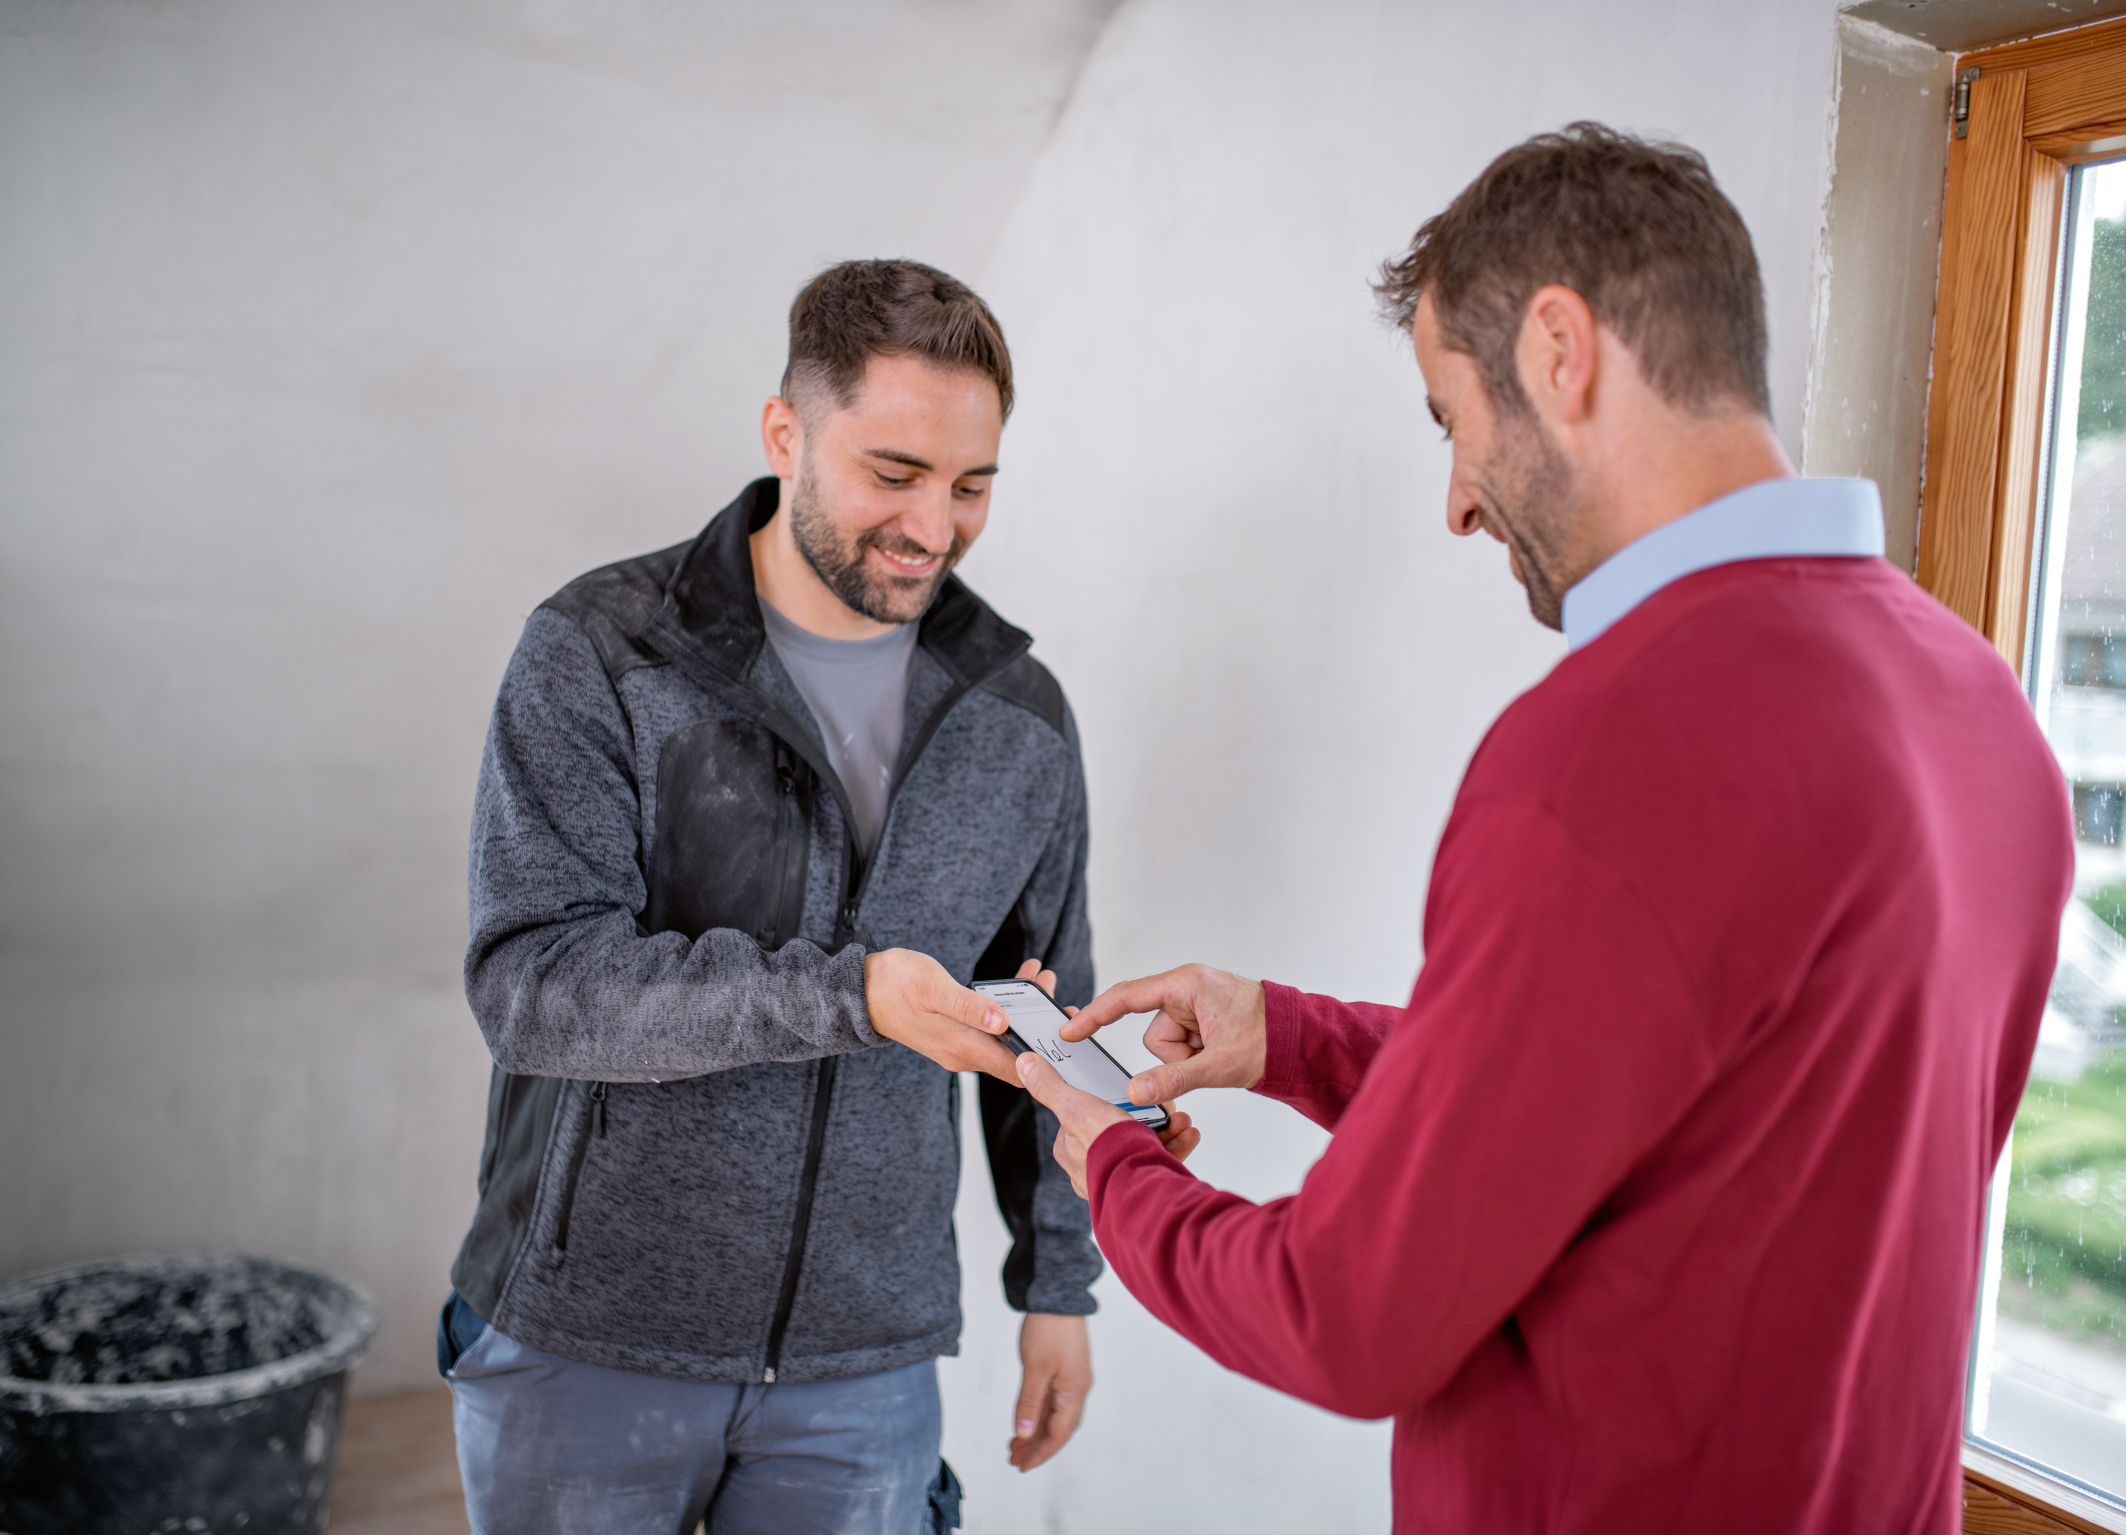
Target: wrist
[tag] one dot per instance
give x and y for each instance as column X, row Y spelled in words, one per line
column 880, row 992
column 1280, row 1064
column 1051, row 1329
column 1261, row 1063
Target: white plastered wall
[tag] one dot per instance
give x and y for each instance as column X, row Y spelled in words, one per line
column 332, row 339
column 1873, row 342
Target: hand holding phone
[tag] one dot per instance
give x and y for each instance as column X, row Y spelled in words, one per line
column 1034, row 1019
column 914, row 1002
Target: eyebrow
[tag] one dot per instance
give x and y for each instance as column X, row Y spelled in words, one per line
column 894, row 455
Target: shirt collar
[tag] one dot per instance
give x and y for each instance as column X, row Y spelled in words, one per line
column 1772, row 519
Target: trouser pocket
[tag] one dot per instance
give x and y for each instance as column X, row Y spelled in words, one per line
column 945, row 1495
column 457, row 1329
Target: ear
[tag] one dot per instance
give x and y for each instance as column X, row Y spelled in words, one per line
column 782, row 437
column 1556, row 355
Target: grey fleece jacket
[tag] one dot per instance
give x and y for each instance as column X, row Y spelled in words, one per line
column 701, row 1162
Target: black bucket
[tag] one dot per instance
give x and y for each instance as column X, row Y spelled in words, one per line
column 173, row 1396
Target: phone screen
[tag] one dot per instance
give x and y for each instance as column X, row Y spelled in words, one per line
column 1034, row 1019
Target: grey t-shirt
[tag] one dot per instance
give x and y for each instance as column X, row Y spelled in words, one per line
column 858, row 691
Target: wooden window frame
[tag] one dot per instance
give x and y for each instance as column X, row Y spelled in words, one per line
column 2034, row 110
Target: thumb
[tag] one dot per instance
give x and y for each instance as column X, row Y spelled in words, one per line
column 963, row 1004
column 1033, row 1398
column 1067, row 1103
column 1163, row 1084
column 1043, row 1082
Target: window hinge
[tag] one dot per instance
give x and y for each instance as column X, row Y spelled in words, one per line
column 1962, row 117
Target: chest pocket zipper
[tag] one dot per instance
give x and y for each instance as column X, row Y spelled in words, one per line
column 793, row 828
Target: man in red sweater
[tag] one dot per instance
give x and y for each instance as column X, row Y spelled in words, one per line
column 1658, row 1207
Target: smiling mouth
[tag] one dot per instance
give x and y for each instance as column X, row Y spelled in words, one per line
column 908, row 565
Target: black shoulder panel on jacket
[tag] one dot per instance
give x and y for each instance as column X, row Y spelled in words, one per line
column 612, row 603
column 1030, row 685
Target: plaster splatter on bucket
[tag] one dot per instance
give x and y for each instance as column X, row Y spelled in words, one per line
column 199, row 1394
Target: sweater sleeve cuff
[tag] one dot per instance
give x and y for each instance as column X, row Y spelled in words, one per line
column 1284, row 1070
column 1113, row 1148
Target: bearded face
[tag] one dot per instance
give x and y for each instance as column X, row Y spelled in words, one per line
column 1529, row 494
column 842, row 559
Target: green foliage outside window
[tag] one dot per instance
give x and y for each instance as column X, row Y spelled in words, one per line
column 2109, row 903
column 2104, row 343
column 2064, row 1264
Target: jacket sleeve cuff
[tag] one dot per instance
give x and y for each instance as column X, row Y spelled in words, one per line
column 853, row 993
column 1075, row 1302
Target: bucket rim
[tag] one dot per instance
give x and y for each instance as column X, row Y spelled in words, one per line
column 352, row 1323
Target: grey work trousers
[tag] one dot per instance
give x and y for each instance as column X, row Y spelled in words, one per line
column 548, row 1446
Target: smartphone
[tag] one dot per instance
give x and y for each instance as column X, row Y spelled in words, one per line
column 1034, row 1018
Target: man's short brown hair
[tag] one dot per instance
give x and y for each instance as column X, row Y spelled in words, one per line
column 859, row 310
column 1638, row 229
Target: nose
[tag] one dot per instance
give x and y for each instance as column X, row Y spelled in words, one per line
column 1465, row 512
column 930, row 522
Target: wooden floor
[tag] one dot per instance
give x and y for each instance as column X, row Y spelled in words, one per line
column 398, row 1468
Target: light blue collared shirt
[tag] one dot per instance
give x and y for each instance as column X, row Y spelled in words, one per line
column 1773, row 519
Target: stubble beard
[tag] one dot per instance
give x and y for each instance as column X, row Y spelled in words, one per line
column 845, row 567
column 1532, row 495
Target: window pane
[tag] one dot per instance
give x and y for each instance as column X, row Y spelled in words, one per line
column 2049, row 1358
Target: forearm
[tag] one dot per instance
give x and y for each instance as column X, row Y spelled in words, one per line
column 1222, row 1271
column 1317, row 1049
column 598, row 1000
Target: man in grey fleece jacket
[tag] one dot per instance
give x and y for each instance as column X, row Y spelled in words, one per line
column 753, row 809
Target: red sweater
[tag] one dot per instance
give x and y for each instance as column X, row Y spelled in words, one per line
column 1659, row 1205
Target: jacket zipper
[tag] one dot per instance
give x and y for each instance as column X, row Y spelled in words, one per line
column 823, row 1088
column 816, row 1132
column 822, row 1093
column 575, row 1171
